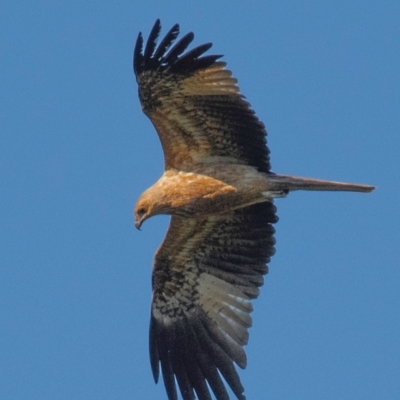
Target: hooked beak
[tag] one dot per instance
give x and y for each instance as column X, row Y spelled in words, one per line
column 138, row 223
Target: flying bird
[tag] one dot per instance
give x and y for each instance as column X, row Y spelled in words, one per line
column 219, row 189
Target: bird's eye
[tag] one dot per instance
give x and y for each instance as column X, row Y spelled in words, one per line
column 141, row 211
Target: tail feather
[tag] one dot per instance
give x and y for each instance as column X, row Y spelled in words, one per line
column 290, row 183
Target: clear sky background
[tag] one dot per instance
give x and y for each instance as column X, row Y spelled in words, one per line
column 76, row 152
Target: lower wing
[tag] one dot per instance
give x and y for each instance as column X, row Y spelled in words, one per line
column 206, row 272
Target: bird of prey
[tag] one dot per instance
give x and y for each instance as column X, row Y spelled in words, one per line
column 219, row 189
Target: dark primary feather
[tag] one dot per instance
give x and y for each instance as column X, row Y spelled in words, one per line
column 171, row 57
column 166, row 42
column 137, row 55
column 195, row 105
column 189, row 334
column 152, row 41
column 162, row 59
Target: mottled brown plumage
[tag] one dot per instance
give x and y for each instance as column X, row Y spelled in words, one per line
column 219, row 190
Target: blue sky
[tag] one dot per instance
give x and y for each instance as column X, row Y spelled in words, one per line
column 76, row 152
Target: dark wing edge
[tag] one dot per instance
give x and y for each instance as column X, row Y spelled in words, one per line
column 199, row 335
column 161, row 59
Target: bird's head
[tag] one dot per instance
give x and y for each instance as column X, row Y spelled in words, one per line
column 143, row 210
column 140, row 214
column 149, row 203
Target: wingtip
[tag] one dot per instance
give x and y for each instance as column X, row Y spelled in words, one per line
column 138, row 55
column 152, row 40
column 153, row 349
column 153, row 57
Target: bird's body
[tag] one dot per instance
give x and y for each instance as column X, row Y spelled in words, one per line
column 219, row 189
column 211, row 190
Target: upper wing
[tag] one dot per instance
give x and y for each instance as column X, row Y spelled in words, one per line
column 195, row 105
column 205, row 274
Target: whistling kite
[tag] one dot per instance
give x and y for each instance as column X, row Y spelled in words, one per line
column 219, row 189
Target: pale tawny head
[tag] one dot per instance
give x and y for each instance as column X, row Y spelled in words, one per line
column 143, row 209
column 149, row 203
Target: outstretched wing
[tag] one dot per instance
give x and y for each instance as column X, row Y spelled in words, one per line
column 195, row 105
column 205, row 275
